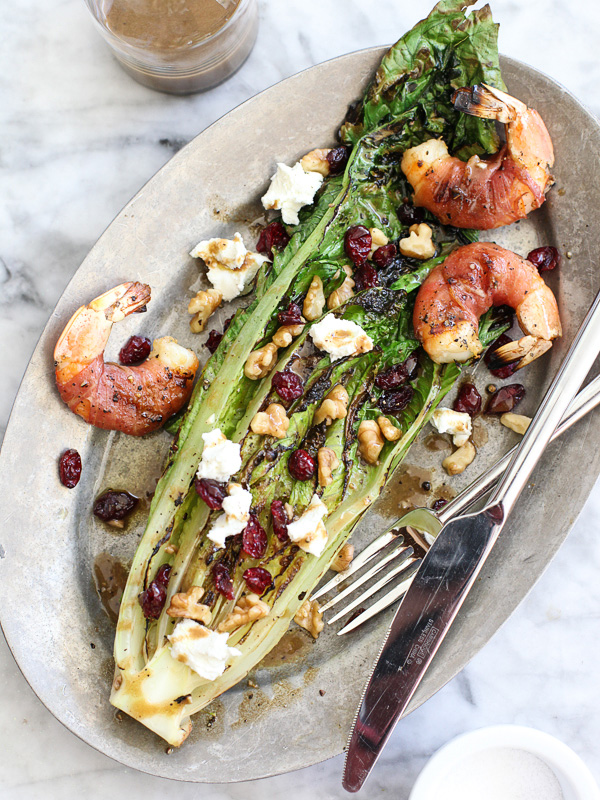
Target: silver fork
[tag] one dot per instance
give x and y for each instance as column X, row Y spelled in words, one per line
column 403, row 557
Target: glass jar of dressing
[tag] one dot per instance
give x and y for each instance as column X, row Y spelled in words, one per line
column 178, row 46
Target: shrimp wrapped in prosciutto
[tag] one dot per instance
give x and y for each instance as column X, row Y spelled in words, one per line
column 469, row 282
column 133, row 400
column 491, row 192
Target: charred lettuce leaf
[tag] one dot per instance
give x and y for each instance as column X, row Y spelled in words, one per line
column 417, row 76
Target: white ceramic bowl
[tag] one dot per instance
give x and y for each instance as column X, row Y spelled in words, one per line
column 576, row 781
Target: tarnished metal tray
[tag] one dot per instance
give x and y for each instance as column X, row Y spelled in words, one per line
column 307, row 693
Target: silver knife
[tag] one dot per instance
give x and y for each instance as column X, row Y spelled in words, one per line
column 450, row 569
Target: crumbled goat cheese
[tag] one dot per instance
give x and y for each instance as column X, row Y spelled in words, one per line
column 203, row 650
column 291, row 188
column 220, row 458
column 340, row 337
column 233, row 283
column 458, row 423
column 308, row 531
column 231, row 268
column 237, row 513
column 223, row 253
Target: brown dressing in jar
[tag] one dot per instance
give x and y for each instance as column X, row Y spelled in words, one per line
column 167, row 24
column 178, row 46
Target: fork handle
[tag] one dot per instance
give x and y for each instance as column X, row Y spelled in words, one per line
column 587, row 399
column 570, row 376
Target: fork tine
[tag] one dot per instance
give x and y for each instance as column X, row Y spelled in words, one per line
column 398, row 552
column 387, row 600
column 405, row 565
column 366, row 555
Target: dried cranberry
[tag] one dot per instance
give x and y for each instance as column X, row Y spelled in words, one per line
column 410, row 215
column 69, row 468
column 384, row 255
column 365, row 277
column 254, row 539
column 152, row 600
column 280, row 520
column 274, row 236
column 301, row 465
column 135, row 350
column 222, row 580
column 212, row 492
column 214, row 337
column 357, row 243
column 112, row 506
column 291, row 316
column 258, row 579
column 544, row 258
column 288, row 385
column 392, row 377
column 508, row 369
column 213, row 341
column 338, row 158
column 393, row 401
column 505, row 399
column 439, row 503
column 468, row 400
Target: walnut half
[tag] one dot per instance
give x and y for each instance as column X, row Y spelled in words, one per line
column 378, row 238
column 328, row 462
column 370, row 440
column 343, row 559
column 286, row 334
column 260, row 362
column 202, row 306
column 316, row 161
column 460, row 459
column 391, row 432
column 334, row 406
column 247, row 609
column 187, row 604
column 310, row 618
column 343, row 293
column 271, row 422
column 418, row 244
column 314, row 302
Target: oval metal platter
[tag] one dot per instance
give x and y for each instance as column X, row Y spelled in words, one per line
column 49, row 539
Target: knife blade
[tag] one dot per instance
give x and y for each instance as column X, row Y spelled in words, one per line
column 421, row 623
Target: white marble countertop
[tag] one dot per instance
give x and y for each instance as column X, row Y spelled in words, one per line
column 79, row 138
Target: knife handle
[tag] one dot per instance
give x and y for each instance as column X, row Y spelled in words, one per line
column 564, row 387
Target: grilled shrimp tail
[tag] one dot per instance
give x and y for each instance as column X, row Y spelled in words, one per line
column 486, row 102
column 118, row 303
column 523, row 351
